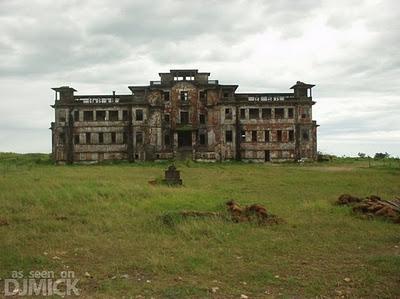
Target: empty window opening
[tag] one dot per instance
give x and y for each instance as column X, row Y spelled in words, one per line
column 88, row 141
column 267, row 156
column 290, row 113
column 100, row 115
column 113, row 137
column 228, row 136
column 76, row 115
column 76, row 139
column 266, row 136
column 243, row 136
column 254, row 136
column 266, row 113
column 125, row 115
column 87, row 115
column 305, row 134
column 243, row 113
column 62, row 116
column 305, row 113
column 166, row 96
column 184, row 117
column 202, row 119
column 184, row 96
column 202, row 139
column 226, row 94
column 254, row 113
column 139, row 138
column 228, row 113
column 291, row 135
column 279, row 136
column 166, row 118
column 279, row 113
column 139, row 115
column 185, row 139
column 113, row 115
column 101, row 138
column 203, row 95
column 62, row 138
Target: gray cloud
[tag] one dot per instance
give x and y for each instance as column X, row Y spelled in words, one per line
column 349, row 49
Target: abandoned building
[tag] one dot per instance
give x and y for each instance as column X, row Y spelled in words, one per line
column 185, row 115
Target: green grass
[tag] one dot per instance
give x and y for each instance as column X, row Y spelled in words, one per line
column 107, row 220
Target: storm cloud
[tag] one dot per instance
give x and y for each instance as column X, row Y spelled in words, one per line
column 349, row 49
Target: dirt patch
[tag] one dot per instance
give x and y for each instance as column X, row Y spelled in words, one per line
column 373, row 206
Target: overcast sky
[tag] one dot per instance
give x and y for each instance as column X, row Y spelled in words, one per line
column 349, row 49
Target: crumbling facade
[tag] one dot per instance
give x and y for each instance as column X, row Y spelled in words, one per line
column 185, row 115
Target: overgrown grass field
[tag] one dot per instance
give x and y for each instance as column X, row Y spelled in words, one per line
column 106, row 220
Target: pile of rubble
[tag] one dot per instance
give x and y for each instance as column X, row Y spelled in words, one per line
column 253, row 213
column 373, row 206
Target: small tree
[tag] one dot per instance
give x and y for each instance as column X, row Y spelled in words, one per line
column 381, row 155
column 362, row 155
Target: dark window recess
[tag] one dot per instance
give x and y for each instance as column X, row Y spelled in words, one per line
column 167, row 139
column 254, row 136
column 125, row 138
column 113, row 115
column 279, row 136
column 101, row 138
column 254, row 113
column 139, row 138
column 100, row 115
column 76, row 115
column 184, row 96
column 243, row 113
column 202, row 119
column 266, row 113
column 113, row 137
column 139, row 115
column 266, row 136
column 166, row 118
column 125, row 115
column 228, row 113
column 184, row 117
column 306, row 135
column 279, row 113
column 76, row 139
column 61, row 116
column 228, row 136
column 291, row 135
column 87, row 115
column 88, row 141
column 62, row 138
column 203, row 95
column 243, row 136
column 202, row 139
column 290, row 113
column 226, row 95
column 166, row 96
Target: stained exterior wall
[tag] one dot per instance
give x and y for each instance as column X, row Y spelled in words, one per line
column 185, row 115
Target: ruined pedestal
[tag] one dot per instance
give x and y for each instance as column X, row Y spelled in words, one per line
column 172, row 176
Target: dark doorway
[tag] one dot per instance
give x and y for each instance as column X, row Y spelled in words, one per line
column 185, row 139
column 267, row 156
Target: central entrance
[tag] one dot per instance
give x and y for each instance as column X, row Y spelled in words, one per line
column 184, row 139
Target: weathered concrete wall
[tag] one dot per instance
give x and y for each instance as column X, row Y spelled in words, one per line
column 147, row 124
